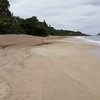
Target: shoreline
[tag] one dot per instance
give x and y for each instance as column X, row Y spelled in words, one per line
column 95, row 51
column 60, row 70
column 83, row 39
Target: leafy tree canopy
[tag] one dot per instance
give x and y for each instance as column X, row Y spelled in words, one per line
column 4, row 5
column 10, row 24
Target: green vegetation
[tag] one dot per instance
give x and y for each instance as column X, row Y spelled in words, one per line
column 4, row 5
column 10, row 24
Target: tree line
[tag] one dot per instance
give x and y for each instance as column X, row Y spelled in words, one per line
column 10, row 24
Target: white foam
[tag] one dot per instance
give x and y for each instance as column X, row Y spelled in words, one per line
column 88, row 40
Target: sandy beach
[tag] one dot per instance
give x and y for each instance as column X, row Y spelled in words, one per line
column 52, row 68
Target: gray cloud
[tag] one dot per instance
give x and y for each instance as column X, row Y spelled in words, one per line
column 67, row 14
column 92, row 2
column 12, row 1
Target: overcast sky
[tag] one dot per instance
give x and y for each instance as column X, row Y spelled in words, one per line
column 77, row 15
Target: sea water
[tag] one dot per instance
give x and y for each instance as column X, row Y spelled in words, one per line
column 90, row 39
column 93, row 40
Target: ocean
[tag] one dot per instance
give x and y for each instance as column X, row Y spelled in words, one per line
column 90, row 39
column 94, row 40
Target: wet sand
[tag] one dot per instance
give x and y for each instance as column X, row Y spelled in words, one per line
column 59, row 70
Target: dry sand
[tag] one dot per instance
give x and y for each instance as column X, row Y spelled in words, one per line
column 62, row 70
